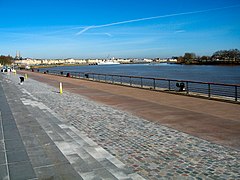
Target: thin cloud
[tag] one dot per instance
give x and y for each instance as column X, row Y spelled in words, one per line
column 179, row 31
column 108, row 34
column 154, row 17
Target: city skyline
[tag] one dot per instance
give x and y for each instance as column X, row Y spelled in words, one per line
column 99, row 29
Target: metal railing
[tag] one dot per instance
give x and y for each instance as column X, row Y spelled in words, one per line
column 230, row 92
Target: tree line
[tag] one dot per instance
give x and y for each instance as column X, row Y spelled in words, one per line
column 231, row 56
column 6, row 60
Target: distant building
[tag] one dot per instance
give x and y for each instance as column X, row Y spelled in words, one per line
column 31, row 62
column 18, row 56
column 124, row 61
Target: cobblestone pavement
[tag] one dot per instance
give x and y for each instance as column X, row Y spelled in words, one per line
column 151, row 150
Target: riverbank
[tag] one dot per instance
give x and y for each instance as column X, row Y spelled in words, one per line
column 54, row 65
column 83, row 64
column 217, row 63
column 142, row 128
column 223, row 63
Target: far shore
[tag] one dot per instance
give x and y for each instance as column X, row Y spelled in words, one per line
column 187, row 63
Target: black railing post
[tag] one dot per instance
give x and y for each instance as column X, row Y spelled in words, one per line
column 112, row 79
column 209, row 90
column 169, row 85
column 154, row 84
column 130, row 81
column 236, row 93
column 141, row 83
column 187, row 91
column 121, row 79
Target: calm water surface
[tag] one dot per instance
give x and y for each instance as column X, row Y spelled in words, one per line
column 205, row 73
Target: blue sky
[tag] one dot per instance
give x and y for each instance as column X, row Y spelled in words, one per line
column 118, row 28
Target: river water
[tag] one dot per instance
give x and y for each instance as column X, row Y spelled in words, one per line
column 203, row 73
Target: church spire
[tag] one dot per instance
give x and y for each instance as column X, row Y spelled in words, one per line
column 18, row 55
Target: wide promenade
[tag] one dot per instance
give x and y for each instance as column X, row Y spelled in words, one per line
column 102, row 131
column 218, row 122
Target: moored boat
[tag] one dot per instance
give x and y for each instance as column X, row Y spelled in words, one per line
column 108, row 62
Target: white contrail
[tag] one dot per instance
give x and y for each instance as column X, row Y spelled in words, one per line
column 108, row 34
column 154, row 17
column 85, row 29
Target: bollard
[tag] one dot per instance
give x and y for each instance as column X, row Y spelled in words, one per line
column 21, row 80
column 60, row 88
column 26, row 76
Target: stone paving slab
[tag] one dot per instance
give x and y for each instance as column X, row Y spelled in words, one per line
column 14, row 161
column 53, row 148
